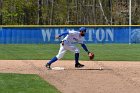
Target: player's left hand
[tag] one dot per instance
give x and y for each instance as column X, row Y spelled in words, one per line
column 91, row 55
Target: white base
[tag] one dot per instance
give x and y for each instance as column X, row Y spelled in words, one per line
column 58, row 68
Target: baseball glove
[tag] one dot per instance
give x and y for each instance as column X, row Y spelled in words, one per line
column 91, row 56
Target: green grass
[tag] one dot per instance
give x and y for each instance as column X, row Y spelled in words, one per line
column 20, row 83
column 47, row 51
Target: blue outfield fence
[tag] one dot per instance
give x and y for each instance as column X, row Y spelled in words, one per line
column 40, row 35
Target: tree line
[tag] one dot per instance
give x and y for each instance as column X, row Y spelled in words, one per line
column 68, row 12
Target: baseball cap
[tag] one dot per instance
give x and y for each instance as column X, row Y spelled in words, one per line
column 82, row 29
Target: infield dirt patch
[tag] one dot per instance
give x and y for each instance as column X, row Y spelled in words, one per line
column 116, row 77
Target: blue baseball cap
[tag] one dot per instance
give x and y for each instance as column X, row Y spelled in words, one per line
column 82, row 29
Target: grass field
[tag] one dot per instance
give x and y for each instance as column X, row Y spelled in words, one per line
column 20, row 83
column 106, row 52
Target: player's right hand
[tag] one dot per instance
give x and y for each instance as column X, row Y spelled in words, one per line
column 57, row 37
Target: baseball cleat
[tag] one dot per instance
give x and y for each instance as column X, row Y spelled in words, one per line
column 48, row 66
column 78, row 65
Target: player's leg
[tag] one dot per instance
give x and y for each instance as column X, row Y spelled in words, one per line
column 60, row 54
column 76, row 51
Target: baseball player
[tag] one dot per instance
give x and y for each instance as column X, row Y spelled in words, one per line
column 67, row 43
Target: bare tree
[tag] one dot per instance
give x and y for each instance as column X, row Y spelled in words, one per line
column 52, row 10
column 40, row 21
column 1, row 2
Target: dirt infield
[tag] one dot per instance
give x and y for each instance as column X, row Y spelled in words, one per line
column 116, row 77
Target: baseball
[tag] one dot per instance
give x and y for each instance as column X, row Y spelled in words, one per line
column 100, row 68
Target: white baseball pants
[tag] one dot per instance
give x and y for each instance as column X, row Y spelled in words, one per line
column 65, row 47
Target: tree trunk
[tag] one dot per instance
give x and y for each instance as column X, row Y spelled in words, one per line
column 52, row 10
column 68, row 12
column 1, row 12
column 40, row 21
column 110, row 8
column 93, row 13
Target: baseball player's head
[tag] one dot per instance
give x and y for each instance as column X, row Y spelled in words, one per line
column 82, row 31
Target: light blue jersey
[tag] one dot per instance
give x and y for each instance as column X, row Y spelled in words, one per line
column 73, row 37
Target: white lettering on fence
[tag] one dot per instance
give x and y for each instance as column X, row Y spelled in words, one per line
column 46, row 32
column 109, row 33
column 98, row 34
